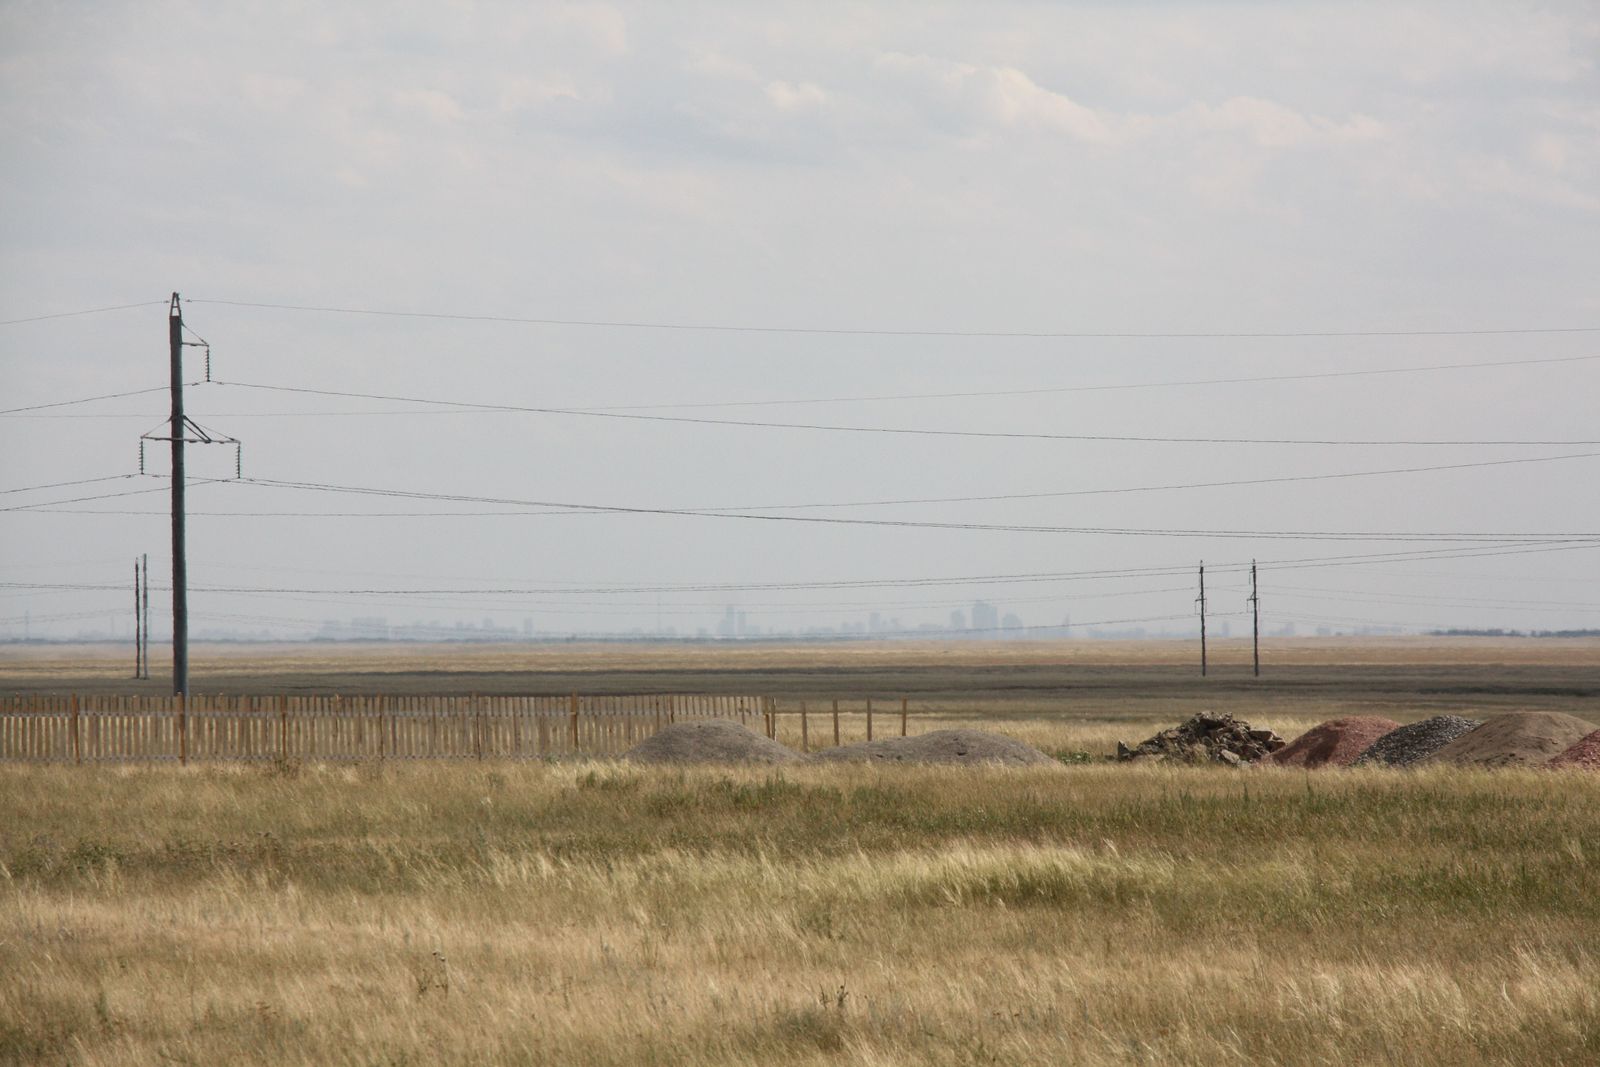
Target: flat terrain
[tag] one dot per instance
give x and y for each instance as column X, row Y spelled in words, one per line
column 1061, row 695
column 532, row 914
column 598, row 913
column 1075, row 676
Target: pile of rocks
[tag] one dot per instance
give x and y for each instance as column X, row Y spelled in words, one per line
column 1208, row 737
column 940, row 746
column 709, row 741
column 1408, row 744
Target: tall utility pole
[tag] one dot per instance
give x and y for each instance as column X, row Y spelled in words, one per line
column 145, row 609
column 1201, row 600
column 180, row 568
column 179, row 429
column 1255, row 620
column 138, row 625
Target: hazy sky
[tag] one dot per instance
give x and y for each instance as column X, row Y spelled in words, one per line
column 994, row 168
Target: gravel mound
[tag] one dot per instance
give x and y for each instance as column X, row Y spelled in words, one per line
column 940, row 746
column 1517, row 738
column 1336, row 743
column 1584, row 755
column 711, row 741
column 1206, row 738
column 1399, row 748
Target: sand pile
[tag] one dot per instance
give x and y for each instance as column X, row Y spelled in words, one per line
column 712, row 741
column 1515, row 739
column 1336, row 743
column 940, row 746
column 1584, row 755
column 1208, row 737
column 1399, row 748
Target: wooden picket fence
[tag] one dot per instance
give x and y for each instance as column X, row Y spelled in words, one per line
column 102, row 729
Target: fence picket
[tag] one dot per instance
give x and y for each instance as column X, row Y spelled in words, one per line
column 105, row 729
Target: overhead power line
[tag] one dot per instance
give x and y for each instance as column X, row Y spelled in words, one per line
column 45, row 506
column 1242, row 567
column 894, row 430
column 1439, row 602
column 1045, row 390
column 84, row 400
column 739, row 511
column 875, row 398
column 63, row 485
column 639, row 324
column 84, row 311
column 759, row 515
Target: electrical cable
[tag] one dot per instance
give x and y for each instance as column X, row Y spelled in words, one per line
column 908, row 523
column 84, row 311
column 900, row 431
column 86, row 400
column 63, row 485
column 830, row 331
column 1035, row 391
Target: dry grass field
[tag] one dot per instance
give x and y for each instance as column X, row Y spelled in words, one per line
column 598, row 915
column 592, row 913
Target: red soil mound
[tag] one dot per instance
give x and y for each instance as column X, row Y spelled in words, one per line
column 1336, row 743
column 1584, row 755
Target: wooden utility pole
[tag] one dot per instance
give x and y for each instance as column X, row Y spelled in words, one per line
column 180, row 566
column 1255, row 621
column 1201, row 600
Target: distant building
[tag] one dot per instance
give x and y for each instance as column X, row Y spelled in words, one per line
column 985, row 616
column 369, row 628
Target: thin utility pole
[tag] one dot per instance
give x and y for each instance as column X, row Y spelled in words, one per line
column 180, row 568
column 145, row 607
column 1201, row 600
column 138, row 625
column 1255, row 620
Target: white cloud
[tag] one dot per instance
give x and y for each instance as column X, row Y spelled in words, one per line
column 994, row 96
column 524, row 94
column 786, row 96
column 435, row 105
column 1269, row 124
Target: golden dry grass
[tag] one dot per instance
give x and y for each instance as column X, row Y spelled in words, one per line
column 596, row 914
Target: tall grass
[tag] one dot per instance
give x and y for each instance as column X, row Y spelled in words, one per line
column 594, row 914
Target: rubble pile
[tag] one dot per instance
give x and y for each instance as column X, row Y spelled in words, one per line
column 1209, row 737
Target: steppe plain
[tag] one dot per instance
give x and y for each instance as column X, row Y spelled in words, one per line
column 597, row 913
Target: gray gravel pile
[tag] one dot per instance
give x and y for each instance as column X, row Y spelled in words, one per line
column 939, row 746
column 710, row 741
column 1408, row 744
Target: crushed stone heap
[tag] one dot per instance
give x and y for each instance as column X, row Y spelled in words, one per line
column 939, row 746
column 1403, row 747
column 711, row 741
column 1208, row 737
column 1335, row 743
